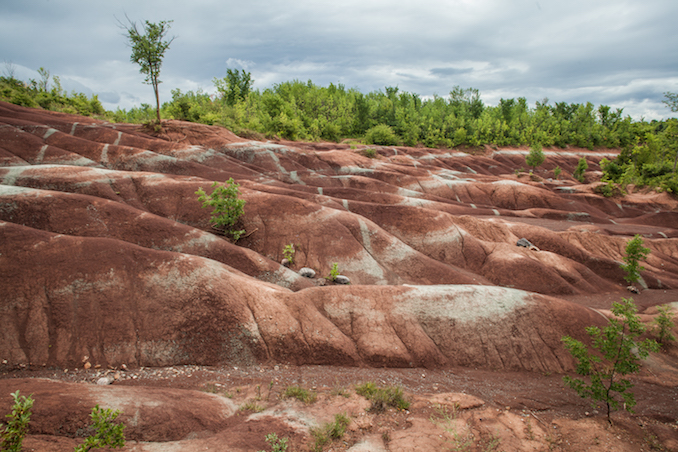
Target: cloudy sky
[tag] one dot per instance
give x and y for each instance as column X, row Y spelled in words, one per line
column 622, row 53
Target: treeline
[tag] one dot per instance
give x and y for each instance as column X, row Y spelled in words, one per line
column 296, row 110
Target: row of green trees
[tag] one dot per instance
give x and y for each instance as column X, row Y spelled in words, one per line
column 305, row 111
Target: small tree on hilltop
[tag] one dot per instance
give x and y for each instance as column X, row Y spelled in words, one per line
column 621, row 354
column 148, row 50
column 536, row 156
column 635, row 251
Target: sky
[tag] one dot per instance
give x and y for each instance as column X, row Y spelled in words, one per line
column 621, row 53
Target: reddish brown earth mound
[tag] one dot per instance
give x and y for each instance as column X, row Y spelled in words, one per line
column 107, row 258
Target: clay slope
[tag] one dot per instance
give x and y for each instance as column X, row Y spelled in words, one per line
column 107, row 253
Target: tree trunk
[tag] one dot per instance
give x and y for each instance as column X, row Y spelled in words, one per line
column 157, row 101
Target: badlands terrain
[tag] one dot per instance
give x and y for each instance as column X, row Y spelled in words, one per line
column 109, row 269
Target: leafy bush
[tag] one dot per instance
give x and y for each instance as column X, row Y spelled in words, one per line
column 12, row 434
column 556, row 172
column 227, row 207
column 106, row 432
column 381, row 134
column 635, row 251
column 621, row 354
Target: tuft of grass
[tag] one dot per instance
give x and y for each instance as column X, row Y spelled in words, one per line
column 251, row 405
column 299, row 393
column 383, row 397
column 330, row 431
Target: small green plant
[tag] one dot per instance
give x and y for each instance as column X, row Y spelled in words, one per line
column 12, row 434
column 370, row 153
column 556, row 172
column 106, row 432
column 635, row 251
column 578, row 173
column 288, row 253
column 334, row 272
column 535, row 157
column 664, row 324
column 227, row 206
column 382, row 397
column 330, row 431
column 277, row 444
column 299, row 393
column 621, row 354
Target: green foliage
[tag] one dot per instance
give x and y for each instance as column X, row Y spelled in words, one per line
column 621, row 353
column 288, row 253
column 299, row 393
column 369, row 153
column 227, row 206
column 235, row 87
column 13, row 432
column 381, row 134
column 535, row 157
column 382, row 397
column 671, row 100
column 578, row 173
column 556, row 172
column 635, row 252
column 148, row 50
column 330, row 431
column 664, row 324
column 56, row 99
column 608, row 190
column 277, row 444
column 334, row 272
column 106, row 432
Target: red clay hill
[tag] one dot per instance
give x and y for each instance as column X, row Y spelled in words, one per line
column 108, row 259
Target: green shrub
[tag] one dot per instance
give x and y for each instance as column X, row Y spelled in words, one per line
column 621, row 354
column 556, row 172
column 106, row 432
column 370, row 153
column 578, row 173
column 535, row 157
column 381, row 134
column 635, row 251
column 608, row 190
column 12, row 434
column 227, row 207
column 664, row 325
